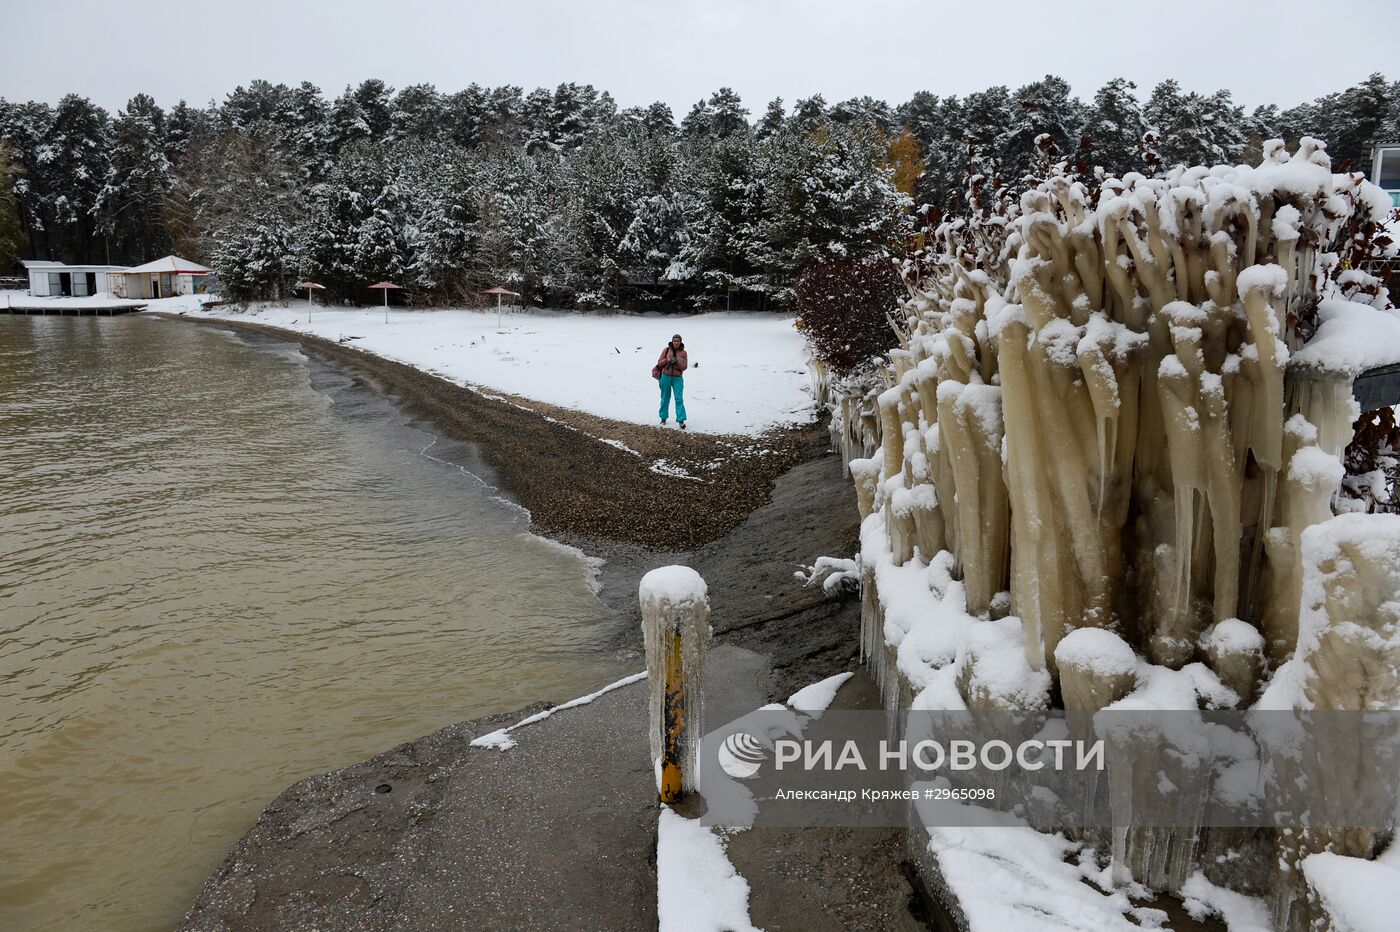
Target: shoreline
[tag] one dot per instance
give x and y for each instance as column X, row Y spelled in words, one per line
column 796, row 486
column 580, row 476
column 757, row 519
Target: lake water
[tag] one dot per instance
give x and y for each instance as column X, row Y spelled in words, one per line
column 224, row 567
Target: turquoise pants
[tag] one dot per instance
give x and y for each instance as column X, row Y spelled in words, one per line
column 669, row 384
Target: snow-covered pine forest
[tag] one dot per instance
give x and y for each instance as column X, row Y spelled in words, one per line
column 571, row 200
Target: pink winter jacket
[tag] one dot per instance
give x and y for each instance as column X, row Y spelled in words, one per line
column 673, row 362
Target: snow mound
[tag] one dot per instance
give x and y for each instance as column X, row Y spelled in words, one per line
column 1098, row 650
column 1233, row 636
column 679, row 585
column 818, row 696
column 1241, row 913
column 1358, row 895
column 697, row 889
column 1351, row 339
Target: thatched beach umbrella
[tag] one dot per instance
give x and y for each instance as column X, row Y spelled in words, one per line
column 500, row 291
column 311, row 289
column 384, row 287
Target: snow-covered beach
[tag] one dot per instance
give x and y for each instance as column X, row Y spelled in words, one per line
column 748, row 371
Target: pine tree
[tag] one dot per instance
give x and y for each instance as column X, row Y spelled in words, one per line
column 1360, row 117
column 138, row 181
column 773, row 119
column 826, row 192
column 353, row 234
column 504, row 123
column 442, row 184
column 1041, row 109
column 536, row 113
column 863, row 111
column 417, row 113
column 1226, row 128
column 653, row 246
column 728, row 115
column 808, row 113
column 236, row 204
column 1192, row 129
column 464, row 116
column 11, row 236
column 981, row 119
column 574, row 114
column 76, row 162
column 654, row 120
column 258, row 102
column 1115, row 127
column 182, row 124
column 722, row 115
column 23, row 129
column 718, row 254
column 361, row 113
column 601, row 192
column 306, row 126
column 516, row 235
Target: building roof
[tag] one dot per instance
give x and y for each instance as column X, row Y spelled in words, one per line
column 51, row 264
column 169, row 265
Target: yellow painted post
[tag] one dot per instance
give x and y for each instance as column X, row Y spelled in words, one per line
column 673, row 719
column 676, row 630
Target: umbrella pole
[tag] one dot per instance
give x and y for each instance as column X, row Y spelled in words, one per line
column 386, row 305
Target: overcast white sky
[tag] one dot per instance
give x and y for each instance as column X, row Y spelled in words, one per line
column 1284, row 51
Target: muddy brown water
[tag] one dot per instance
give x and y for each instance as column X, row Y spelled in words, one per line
column 224, row 567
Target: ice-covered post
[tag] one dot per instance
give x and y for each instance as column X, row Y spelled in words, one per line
column 676, row 630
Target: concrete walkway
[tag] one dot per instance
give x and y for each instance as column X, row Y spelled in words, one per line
column 818, row 879
column 555, row 833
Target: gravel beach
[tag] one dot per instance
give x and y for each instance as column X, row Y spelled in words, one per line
column 581, row 475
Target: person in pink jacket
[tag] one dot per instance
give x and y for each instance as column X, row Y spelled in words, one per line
column 672, row 365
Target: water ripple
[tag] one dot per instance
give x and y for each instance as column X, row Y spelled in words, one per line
column 222, row 568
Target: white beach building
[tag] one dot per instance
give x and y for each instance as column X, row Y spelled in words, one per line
column 1385, row 169
column 49, row 279
column 162, row 278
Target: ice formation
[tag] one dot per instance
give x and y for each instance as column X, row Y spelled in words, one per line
column 676, row 627
column 1109, row 443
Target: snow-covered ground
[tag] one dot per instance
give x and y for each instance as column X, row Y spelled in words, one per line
column 174, row 305
column 747, row 371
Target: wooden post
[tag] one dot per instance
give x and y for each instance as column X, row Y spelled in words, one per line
column 676, row 629
column 673, row 726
